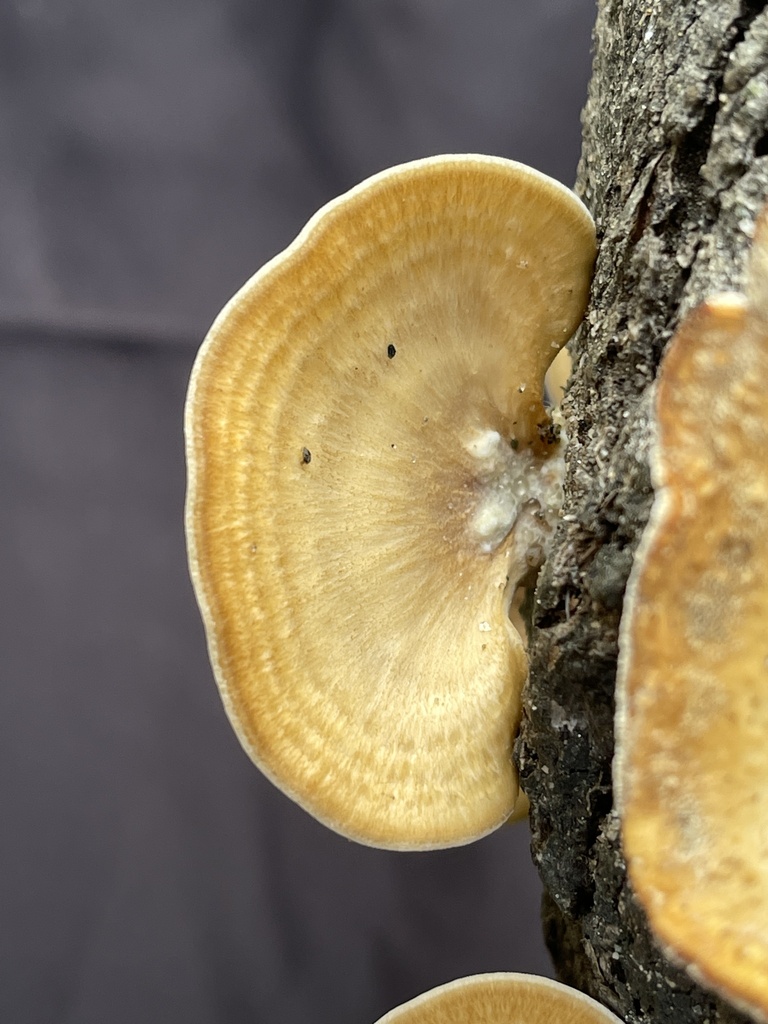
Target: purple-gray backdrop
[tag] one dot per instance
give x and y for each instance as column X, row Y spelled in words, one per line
column 152, row 155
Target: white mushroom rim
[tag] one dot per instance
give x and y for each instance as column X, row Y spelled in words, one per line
column 502, row 998
column 371, row 470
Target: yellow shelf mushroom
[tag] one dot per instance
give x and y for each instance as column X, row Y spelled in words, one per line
column 501, row 999
column 691, row 769
column 371, row 471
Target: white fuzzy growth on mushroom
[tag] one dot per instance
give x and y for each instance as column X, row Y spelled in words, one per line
column 519, row 493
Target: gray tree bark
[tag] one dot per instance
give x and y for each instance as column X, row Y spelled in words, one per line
column 674, row 170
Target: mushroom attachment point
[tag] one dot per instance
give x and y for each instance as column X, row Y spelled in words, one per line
column 691, row 767
column 356, row 603
column 501, row 999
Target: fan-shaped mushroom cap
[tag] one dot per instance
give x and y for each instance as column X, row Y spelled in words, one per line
column 371, row 470
column 691, row 769
column 501, row 999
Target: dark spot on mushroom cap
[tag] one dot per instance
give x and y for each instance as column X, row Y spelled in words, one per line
column 391, row 351
column 306, row 455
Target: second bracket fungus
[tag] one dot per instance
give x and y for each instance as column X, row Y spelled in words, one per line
column 501, row 998
column 691, row 770
column 371, row 472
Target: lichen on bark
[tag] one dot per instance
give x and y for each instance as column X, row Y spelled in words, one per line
column 674, row 169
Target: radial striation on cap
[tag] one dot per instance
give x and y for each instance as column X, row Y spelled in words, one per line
column 360, row 418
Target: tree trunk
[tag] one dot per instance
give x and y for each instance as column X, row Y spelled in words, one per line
column 675, row 129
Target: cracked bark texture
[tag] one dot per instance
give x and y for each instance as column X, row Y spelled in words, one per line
column 674, row 169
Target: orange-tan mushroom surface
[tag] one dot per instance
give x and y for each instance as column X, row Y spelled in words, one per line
column 501, row 999
column 691, row 769
column 371, row 471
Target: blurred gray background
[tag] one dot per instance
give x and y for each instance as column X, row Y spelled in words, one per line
column 152, row 155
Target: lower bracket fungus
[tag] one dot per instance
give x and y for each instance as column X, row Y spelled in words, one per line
column 371, row 472
column 501, row 999
column 691, row 769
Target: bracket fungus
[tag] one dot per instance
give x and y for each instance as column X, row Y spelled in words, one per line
column 370, row 473
column 501, row 999
column 691, row 767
